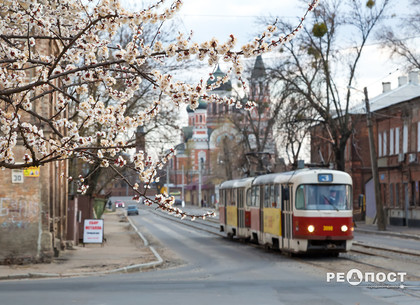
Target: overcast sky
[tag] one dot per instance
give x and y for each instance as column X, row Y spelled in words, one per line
column 220, row 18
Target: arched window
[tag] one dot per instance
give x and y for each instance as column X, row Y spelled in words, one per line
column 202, row 157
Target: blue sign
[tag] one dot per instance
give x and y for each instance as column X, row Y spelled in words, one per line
column 325, row 177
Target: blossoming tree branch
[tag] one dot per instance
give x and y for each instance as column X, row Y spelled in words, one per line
column 52, row 53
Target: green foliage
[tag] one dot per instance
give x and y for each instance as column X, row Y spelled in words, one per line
column 99, row 207
column 319, row 29
column 314, row 52
column 370, row 3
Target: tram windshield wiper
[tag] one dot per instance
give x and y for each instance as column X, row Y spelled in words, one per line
column 330, row 203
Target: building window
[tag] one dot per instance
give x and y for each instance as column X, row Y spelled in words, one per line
column 380, row 145
column 397, row 140
column 391, row 142
column 405, row 139
column 385, row 151
column 383, row 193
column 418, row 136
column 391, row 195
column 417, row 195
column 397, row 195
column 202, row 158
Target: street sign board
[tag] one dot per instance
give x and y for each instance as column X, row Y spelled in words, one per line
column 93, row 231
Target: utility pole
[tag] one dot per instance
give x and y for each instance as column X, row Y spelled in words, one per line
column 199, row 183
column 167, row 178
column 380, row 214
column 182, row 190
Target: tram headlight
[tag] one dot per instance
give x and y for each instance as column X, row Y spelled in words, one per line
column 344, row 228
column 311, row 228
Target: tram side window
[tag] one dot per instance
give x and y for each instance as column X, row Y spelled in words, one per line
column 256, row 196
column 233, row 198
column 300, row 197
column 266, row 196
column 222, row 198
column 227, row 197
column 240, row 198
column 249, row 197
column 274, row 195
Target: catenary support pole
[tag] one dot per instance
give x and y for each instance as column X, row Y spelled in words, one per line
column 380, row 214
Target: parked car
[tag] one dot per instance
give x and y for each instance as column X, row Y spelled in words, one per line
column 132, row 210
column 119, row 204
column 179, row 202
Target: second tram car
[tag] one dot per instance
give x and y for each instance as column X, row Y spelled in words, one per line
column 308, row 210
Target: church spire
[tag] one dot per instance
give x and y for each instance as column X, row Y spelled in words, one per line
column 258, row 72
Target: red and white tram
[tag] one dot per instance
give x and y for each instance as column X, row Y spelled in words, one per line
column 308, row 210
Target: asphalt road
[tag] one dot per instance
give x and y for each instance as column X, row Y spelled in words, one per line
column 211, row 270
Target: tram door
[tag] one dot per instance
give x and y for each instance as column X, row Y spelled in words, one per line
column 224, row 204
column 261, row 205
column 286, row 215
column 241, row 211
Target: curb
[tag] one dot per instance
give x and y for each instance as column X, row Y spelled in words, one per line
column 388, row 233
column 131, row 268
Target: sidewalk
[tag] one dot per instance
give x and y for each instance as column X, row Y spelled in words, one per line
column 397, row 231
column 125, row 250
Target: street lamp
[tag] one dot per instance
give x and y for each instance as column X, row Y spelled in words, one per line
column 380, row 215
column 200, row 164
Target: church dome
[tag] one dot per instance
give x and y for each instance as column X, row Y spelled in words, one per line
column 219, row 74
column 201, row 105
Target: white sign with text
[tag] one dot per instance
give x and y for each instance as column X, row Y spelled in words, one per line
column 93, row 231
column 17, row 176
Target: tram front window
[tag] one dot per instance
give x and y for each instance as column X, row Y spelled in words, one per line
column 323, row 197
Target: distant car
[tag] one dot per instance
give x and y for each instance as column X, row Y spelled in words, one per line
column 119, row 204
column 132, row 210
column 179, row 202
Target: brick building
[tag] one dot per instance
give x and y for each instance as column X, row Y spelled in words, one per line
column 33, row 202
column 396, row 125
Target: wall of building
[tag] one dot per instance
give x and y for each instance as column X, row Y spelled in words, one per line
column 33, row 214
column 399, row 170
column 20, row 217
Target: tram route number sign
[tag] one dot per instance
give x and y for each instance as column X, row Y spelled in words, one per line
column 17, row 176
column 325, row 177
column 93, row 231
